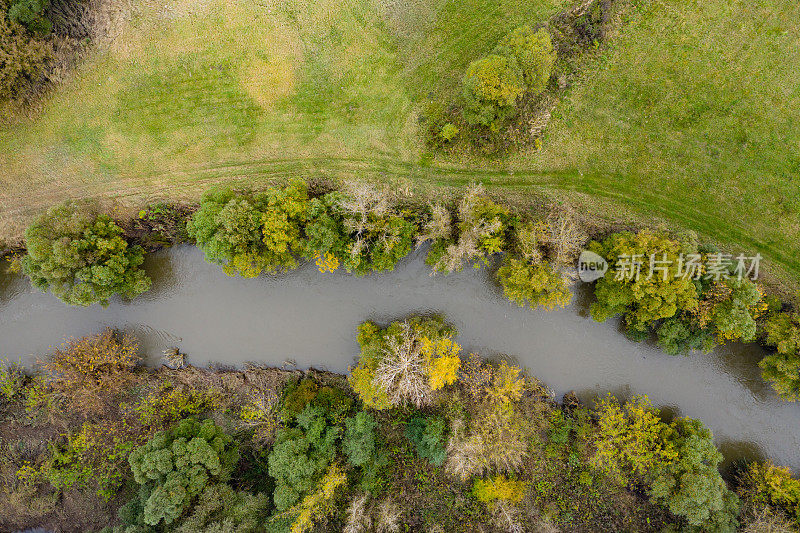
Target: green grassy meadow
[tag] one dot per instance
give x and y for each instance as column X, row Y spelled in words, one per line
column 691, row 114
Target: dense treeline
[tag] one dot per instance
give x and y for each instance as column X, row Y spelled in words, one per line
column 84, row 257
column 416, row 438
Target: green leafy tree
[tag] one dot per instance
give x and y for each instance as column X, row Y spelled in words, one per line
column 729, row 309
column 537, row 285
column 252, row 233
column 690, row 485
column 359, row 438
column 82, row 257
column 301, row 455
column 429, row 436
column 220, row 509
column 533, row 52
column 643, row 299
column 631, row 439
column 782, row 368
column 360, row 229
column 492, row 86
column 174, row 467
column 31, row 14
column 361, row 447
column 679, row 335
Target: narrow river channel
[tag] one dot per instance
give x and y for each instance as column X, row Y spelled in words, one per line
column 310, row 319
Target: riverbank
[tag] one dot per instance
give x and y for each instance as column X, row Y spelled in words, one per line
column 65, row 448
column 308, row 319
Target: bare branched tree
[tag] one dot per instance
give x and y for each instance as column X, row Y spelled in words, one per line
column 389, row 515
column 359, row 516
column 438, row 226
column 506, row 517
column 566, row 238
column 365, row 206
column 401, row 372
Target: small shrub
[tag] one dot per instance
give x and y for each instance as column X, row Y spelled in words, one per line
column 448, row 132
column 95, row 456
column 82, row 257
column 170, row 403
column 31, row 14
column 533, row 51
column 492, row 86
column 499, row 488
column 12, row 380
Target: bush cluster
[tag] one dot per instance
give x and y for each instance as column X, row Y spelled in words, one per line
column 493, row 85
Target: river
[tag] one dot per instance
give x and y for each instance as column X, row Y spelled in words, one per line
column 310, row 319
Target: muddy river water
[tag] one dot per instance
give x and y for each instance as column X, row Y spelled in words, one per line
column 309, row 319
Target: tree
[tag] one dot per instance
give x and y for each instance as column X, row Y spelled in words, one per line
column 320, row 503
column 221, row 509
column 782, row 368
column 31, row 14
column 429, row 436
column 359, row 438
column 174, row 467
column 690, row 485
column 643, row 298
column 405, row 362
column 360, row 229
column 538, row 285
column 766, row 485
column 631, row 439
column 82, row 257
column 678, row 461
column 481, row 226
column 252, row 233
column 679, row 335
column 492, row 86
column 24, row 58
column 533, row 51
column 729, row 308
column 301, row 455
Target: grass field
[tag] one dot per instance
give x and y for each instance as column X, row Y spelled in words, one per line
column 692, row 114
